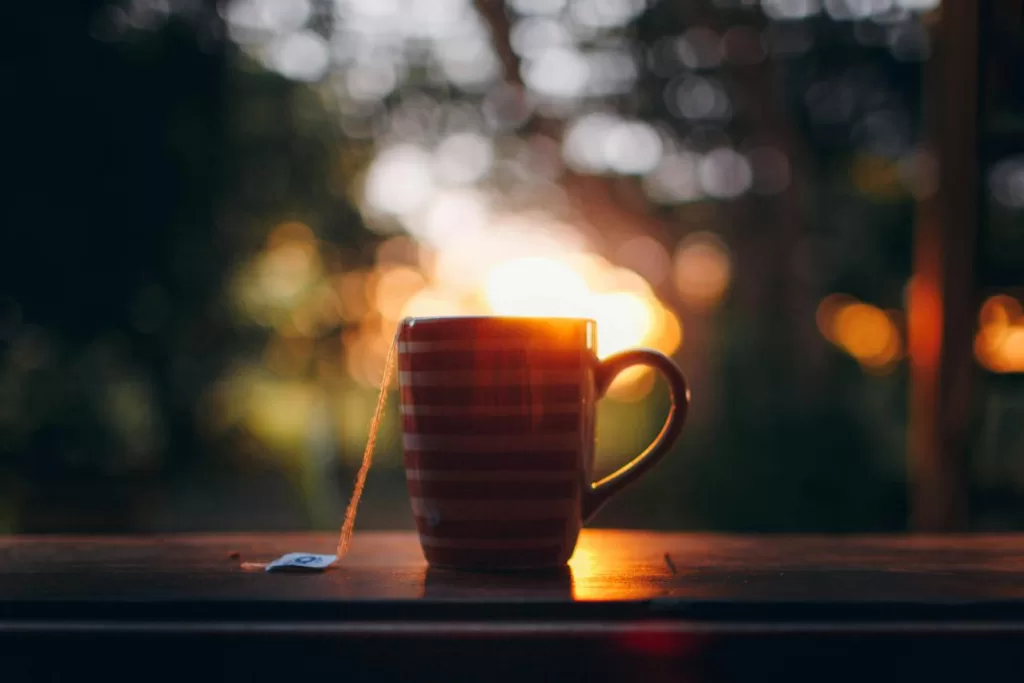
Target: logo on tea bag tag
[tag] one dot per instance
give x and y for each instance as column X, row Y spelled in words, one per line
column 301, row 562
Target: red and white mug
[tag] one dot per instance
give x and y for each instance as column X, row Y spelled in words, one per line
column 498, row 433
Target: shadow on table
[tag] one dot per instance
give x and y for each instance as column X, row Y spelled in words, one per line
column 450, row 584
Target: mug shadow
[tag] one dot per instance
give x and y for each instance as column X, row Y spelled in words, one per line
column 457, row 584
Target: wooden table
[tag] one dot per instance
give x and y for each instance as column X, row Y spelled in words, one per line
column 631, row 606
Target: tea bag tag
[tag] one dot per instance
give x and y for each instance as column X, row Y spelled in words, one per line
column 301, row 562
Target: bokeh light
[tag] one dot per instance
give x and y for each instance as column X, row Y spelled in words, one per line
column 400, row 180
column 598, row 143
column 999, row 341
column 536, row 286
column 463, row 158
column 867, row 333
column 473, row 208
column 1006, row 182
column 702, row 270
column 557, row 72
column 675, row 180
column 725, row 173
column 789, row 10
column 540, row 7
column 646, row 256
column 301, row 56
column 698, row 98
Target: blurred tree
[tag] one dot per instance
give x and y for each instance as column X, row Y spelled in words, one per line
column 164, row 151
column 148, row 159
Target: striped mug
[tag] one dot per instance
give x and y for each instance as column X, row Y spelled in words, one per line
column 498, row 435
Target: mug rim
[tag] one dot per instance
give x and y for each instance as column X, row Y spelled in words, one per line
column 494, row 318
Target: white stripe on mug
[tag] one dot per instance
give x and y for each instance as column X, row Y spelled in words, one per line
column 511, row 345
column 497, row 377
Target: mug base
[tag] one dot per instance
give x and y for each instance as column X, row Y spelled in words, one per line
column 497, row 561
column 549, row 568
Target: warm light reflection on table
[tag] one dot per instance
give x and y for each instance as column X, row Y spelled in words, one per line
column 603, row 569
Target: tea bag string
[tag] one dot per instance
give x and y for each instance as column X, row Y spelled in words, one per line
column 347, row 527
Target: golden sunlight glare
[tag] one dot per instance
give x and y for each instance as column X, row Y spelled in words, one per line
column 585, row 285
column 536, row 286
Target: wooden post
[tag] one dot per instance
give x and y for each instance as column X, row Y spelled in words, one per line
column 942, row 304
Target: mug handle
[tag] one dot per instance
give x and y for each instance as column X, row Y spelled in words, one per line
column 599, row 493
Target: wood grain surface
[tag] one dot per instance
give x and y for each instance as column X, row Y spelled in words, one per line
column 613, row 574
column 631, row 606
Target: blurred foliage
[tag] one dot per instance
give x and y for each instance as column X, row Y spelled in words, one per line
column 148, row 168
column 208, row 242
